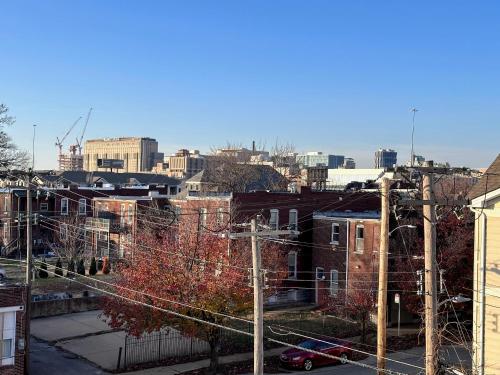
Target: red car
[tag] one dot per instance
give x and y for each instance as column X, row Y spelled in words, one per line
column 296, row 358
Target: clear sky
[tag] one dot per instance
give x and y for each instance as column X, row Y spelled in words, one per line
column 335, row 76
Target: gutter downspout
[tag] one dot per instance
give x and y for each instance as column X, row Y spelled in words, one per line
column 483, row 292
column 347, row 257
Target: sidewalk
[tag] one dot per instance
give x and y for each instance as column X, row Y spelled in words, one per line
column 190, row 366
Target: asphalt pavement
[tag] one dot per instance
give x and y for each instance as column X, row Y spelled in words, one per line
column 49, row 360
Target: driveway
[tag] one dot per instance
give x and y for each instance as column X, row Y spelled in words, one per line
column 49, row 360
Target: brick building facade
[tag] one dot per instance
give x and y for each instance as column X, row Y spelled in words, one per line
column 12, row 329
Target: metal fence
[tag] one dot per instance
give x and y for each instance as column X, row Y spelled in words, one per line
column 172, row 345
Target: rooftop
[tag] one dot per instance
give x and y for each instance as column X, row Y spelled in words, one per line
column 489, row 182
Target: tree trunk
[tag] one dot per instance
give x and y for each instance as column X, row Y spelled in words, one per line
column 363, row 330
column 214, row 342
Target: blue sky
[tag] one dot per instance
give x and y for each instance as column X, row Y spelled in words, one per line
column 340, row 77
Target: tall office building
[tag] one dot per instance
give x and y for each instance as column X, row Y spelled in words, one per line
column 317, row 159
column 139, row 154
column 385, row 158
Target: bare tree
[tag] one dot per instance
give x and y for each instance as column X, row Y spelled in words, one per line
column 10, row 156
column 70, row 238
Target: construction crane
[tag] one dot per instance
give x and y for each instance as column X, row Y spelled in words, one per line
column 80, row 141
column 59, row 143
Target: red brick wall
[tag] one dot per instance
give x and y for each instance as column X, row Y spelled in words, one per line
column 15, row 296
column 362, row 266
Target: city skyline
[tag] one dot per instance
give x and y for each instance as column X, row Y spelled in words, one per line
column 330, row 77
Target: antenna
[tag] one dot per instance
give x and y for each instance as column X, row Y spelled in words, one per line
column 33, row 148
column 412, row 156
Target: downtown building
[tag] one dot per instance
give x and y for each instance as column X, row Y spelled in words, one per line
column 385, row 158
column 139, row 154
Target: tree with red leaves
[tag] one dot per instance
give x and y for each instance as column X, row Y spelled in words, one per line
column 454, row 255
column 193, row 268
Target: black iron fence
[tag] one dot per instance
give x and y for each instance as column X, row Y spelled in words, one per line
column 172, row 345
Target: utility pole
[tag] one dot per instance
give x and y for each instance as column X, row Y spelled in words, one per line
column 258, row 286
column 382, row 279
column 258, row 304
column 29, row 244
column 429, row 211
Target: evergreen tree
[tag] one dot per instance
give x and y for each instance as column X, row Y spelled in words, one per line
column 93, row 267
column 81, row 267
column 59, row 270
column 42, row 273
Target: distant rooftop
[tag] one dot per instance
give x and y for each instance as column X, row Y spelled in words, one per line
column 349, row 214
column 120, row 139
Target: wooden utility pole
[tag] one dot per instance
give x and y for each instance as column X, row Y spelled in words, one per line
column 382, row 278
column 429, row 211
column 258, row 304
column 258, row 286
column 29, row 244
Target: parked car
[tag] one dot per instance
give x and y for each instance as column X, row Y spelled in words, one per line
column 297, row 358
column 3, row 274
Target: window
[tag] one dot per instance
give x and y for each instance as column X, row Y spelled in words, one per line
column 203, row 218
column 64, row 206
column 7, row 337
column 320, row 273
column 292, row 265
column 44, row 207
column 6, row 236
column 130, row 214
column 63, row 232
column 360, row 238
column 274, row 219
column 5, row 203
column 82, row 206
column 334, row 282
column 335, row 233
column 292, row 219
column 177, row 213
column 122, row 215
column 220, row 216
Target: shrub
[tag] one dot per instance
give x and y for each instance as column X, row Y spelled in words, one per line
column 71, row 268
column 80, row 269
column 106, row 266
column 42, row 272
column 93, row 267
column 59, row 270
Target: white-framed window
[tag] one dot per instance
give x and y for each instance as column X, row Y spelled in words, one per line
column 44, row 206
column 320, row 273
column 177, row 213
column 203, row 218
column 274, row 215
column 220, row 216
column 292, row 265
column 130, row 215
column 360, row 238
column 334, row 282
column 293, row 215
column 122, row 215
column 64, row 206
column 7, row 338
column 82, row 206
column 63, row 231
column 335, row 234
column 6, row 231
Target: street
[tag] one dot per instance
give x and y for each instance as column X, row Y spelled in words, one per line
column 49, row 360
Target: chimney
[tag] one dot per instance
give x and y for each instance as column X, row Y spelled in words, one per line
column 253, row 147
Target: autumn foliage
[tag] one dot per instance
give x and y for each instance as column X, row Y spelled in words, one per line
column 198, row 269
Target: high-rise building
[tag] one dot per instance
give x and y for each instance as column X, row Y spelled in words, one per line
column 139, row 154
column 317, row 159
column 184, row 163
column 385, row 158
column 349, row 163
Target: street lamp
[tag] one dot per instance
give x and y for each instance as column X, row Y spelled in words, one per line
column 403, row 226
column 455, row 299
